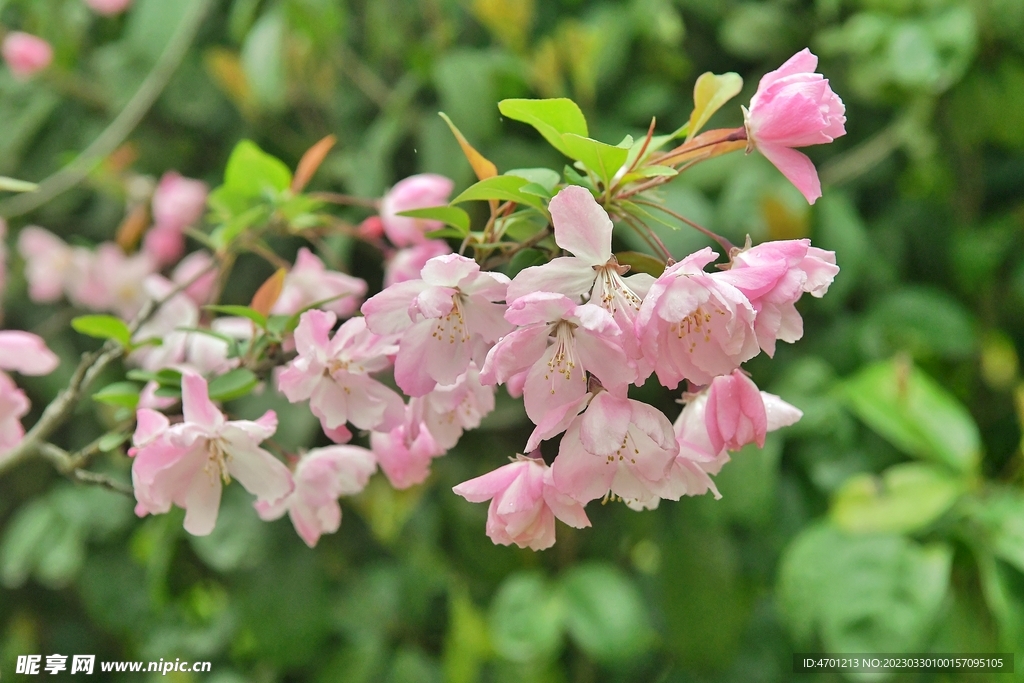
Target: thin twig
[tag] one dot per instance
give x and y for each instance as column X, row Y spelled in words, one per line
column 723, row 242
column 122, row 125
column 653, row 241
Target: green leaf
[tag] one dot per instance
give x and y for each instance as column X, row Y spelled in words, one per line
column 544, row 177
column 640, row 263
column 601, row 158
column 466, row 644
column 240, row 311
column 525, row 259
column 915, row 413
column 551, row 118
column 863, row 593
column 526, row 618
column 251, row 172
column 449, row 215
column 906, row 498
column 1001, row 513
column 710, row 92
column 500, row 187
column 605, row 613
column 108, row 442
column 165, row 377
column 236, row 223
column 23, row 540
column 125, row 394
column 15, row 185
column 233, row 384
column 103, row 327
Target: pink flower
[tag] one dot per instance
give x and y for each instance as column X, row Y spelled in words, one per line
column 617, row 445
column 334, row 374
column 321, row 477
column 447, row 319
column 404, row 453
column 450, row 409
column 25, row 54
column 794, row 107
column 309, row 282
column 406, row 264
column 47, row 261
column 178, row 311
column 698, row 457
column 189, row 269
column 584, row 229
column 773, row 276
column 108, row 7
column 26, row 353
column 178, row 202
column 695, row 325
column 108, row 280
column 415, row 192
column 735, row 414
column 558, row 342
column 524, row 503
column 185, row 464
column 13, row 406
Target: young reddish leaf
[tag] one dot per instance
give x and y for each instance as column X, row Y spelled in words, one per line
column 266, row 296
column 134, row 224
column 311, row 161
column 482, row 166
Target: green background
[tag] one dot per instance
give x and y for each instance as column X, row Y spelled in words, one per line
column 890, row 519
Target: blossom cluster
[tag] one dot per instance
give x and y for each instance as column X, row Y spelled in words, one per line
column 413, row 367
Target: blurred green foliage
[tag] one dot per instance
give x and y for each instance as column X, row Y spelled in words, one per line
column 890, row 518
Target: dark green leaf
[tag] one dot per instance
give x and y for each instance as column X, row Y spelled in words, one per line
column 240, row 311
column 449, row 215
column 605, row 613
column 544, row 177
column 500, row 187
column 601, row 158
column 641, row 263
column 526, row 618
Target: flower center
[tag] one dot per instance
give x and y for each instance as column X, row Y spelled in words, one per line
column 453, row 325
column 217, row 462
column 611, row 292
column 563, row 360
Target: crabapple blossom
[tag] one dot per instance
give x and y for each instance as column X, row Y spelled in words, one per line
column 415, row 192
column 735, row 414
column 447, row 319
column 794, row 107
column 197, row 272
column 696, row 325
column 334, row 374
column 107, row 279
column 450, row 409
column 405, row 452
column 178, row 202
column 406, row 264
column 583, row 228
column 25, row 54
column 47, row 262
column 321, row 477
column 617, row 445
column 557, row 341
column 524, row 503
column 793, row 267
column 13, row 406
column 309, row 282
column 186, row 464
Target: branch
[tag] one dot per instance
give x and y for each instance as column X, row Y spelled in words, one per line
column 122, row 125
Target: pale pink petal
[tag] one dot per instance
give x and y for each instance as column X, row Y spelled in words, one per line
column 488, row 485
column 582, row 227
column 202, row 503
column 258, row 471
column 196, row 405
column 603, row 427
column 566, row 275
column 388, row 312
column 26, row 353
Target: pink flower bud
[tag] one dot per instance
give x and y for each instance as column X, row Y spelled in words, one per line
column 178, row 201
column 108, row 7
column 371, row 228
column 26, row 54
column 165, row 245
column 735, row 414
column 794, row 107
column 415, row 192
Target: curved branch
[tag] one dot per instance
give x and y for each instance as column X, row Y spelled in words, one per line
column 123, row 124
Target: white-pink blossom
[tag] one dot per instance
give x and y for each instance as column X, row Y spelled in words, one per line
column 773, row 276
column 557, row 342
column 309, row 282
column 404, row 453
column 406, row 264
column 321, row 477
column 524, row 503
column 186, row 464
column 334, row 374
column 695, row 325
column 25, row 54
column 616, row 445
column 415, row 192
column 446, row 320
